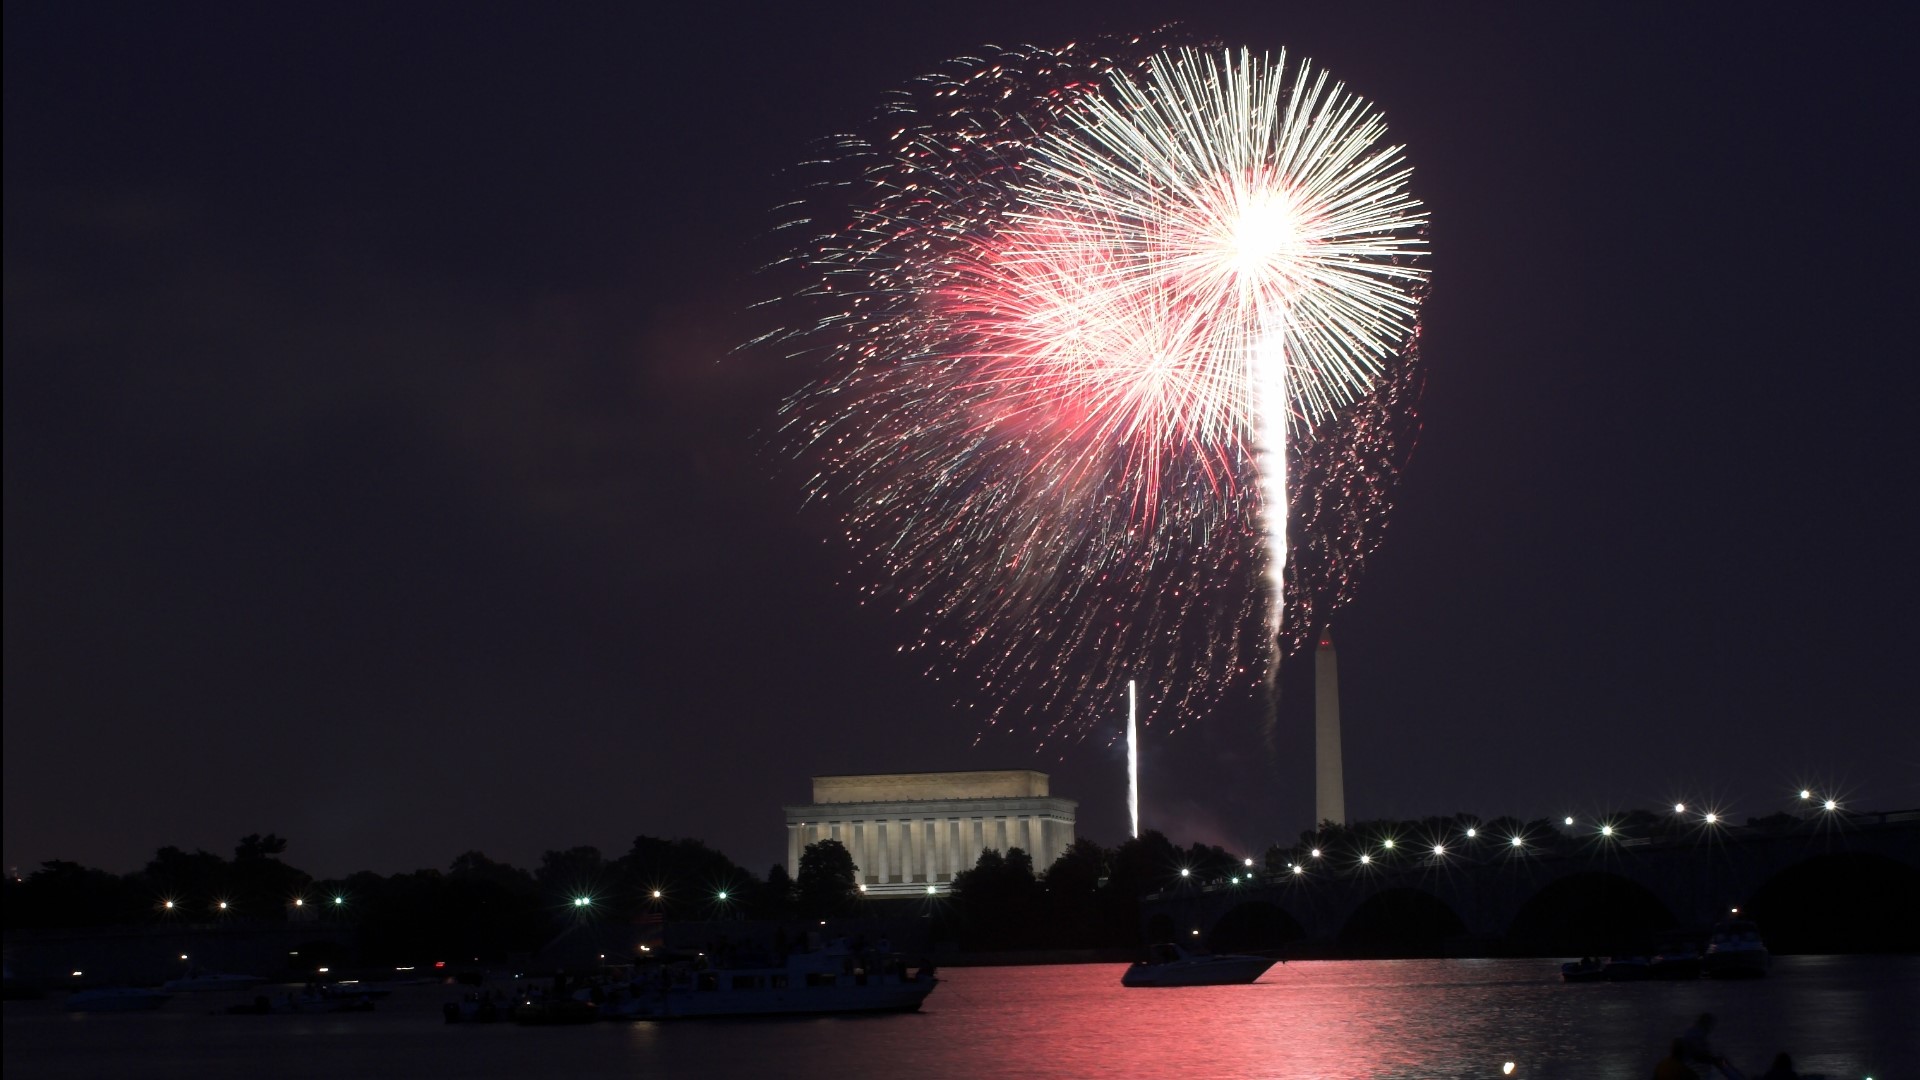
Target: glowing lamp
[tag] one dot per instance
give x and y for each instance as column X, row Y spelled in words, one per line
column 1831, row 805
column 1299, row 869
column 1679, row 808
column 1712, row 818
column 1366, row 859
column 1388, row 843
column 1184, row 872
column 297, row 902
column 579, row 901
column 1516, row 841
column 1439, row 849
column 1316, row 853
column 930, row 890
column 1196, row 933
column 1471, row 833
column 1569, row 819
column 1506, row 1069
column 77, row 974
column 1606, row 830
column 863, row 888
column 656, row 894
column 223, row 905
column 723, row 894
column 1805, row 794
column 168, row 904
column 1249, row 862
column 338, row 900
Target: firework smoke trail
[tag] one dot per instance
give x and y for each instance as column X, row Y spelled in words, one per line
column 1084, row 300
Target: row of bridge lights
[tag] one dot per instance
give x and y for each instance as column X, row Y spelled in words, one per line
column 1606, row 829
column 222, row 905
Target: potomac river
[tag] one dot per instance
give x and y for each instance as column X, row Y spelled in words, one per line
column 1853, row 1016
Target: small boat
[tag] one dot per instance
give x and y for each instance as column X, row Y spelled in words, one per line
column 1586, row 969
column 206, row 982
column 834, row 979
column 1626, row 969
column 556, row 1011
column 1171, row 965
column 1676, row 958
column 1735, row 951
column 473, row 1009
column 291, row 1004
column 116, row 999
column 349, row 989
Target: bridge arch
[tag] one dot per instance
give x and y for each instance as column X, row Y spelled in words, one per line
column 1401, row 922
column 1841, row 902
column 1255, row 926
column 1593, row 912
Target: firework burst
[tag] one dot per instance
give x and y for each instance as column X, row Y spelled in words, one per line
column 1086, row 306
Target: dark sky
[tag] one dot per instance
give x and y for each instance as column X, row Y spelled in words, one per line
column 377, row 472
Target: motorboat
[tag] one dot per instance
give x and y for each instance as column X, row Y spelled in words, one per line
column 555, row 1011
column 1171, row 965
column 833, row 979
column 1586, row 969
column 475, row 1008
column 1626, row 969
column 295, row 1004
column 1735, row 951
column 116, row 999
column 206, row 982
column 1676, row 958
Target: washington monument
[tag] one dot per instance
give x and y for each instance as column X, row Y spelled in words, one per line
column 1330, row 792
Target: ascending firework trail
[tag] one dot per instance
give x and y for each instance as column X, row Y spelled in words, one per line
column 1086, row 309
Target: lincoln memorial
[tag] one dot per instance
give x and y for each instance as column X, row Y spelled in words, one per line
column 910, row 832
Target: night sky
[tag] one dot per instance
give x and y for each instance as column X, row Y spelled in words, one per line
column 380, row 473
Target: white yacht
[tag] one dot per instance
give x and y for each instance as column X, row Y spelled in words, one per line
column 1171, row 965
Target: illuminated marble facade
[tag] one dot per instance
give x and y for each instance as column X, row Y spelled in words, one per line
column 909, row 831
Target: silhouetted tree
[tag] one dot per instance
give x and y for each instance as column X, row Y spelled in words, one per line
column 828, row 881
